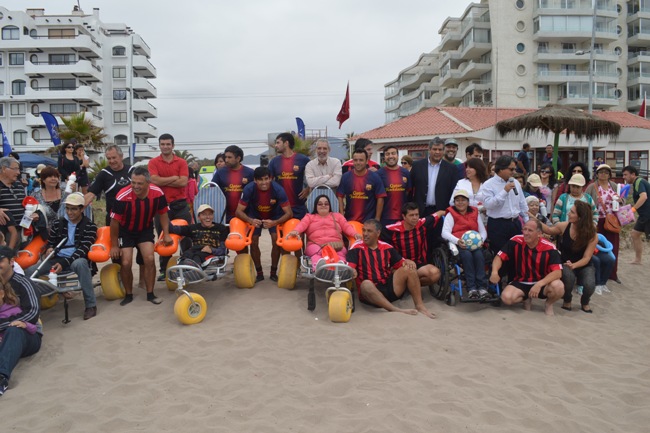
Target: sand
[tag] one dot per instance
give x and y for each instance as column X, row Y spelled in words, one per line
column 260, row 362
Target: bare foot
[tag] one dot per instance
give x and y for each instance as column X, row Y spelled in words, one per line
column 636, row 262
column 406, row 311
column 548, row 309
column 527, row 304
column 422, row 309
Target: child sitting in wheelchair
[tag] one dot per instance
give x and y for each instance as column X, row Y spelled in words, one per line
column 460, row 218
column 207, row 238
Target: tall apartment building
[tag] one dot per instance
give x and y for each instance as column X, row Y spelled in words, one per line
column 67, row 64
column 528, row 53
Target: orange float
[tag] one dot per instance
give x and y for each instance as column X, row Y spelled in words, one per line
column 358, row 227
column 100, row 251
column 285, row 242
column 169, row 250
column 240, row 236
column 32, row 252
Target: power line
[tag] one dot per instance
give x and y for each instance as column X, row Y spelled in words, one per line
column 262, row 95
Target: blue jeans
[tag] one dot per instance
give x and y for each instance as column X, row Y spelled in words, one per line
column 474, row 268
column 16, row 343
column 603, row 264
column 81, row 267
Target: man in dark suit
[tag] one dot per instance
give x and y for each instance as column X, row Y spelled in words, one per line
column 432, row 182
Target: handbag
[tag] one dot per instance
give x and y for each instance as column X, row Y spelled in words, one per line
column 337, row 245
column 612, row 224
column 625, row 215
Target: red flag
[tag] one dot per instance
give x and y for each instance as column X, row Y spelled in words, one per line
column 344, row 114
column 641, row 110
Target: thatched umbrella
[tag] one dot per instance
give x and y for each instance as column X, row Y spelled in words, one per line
column 558, row 119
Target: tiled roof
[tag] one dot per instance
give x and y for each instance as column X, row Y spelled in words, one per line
column 454, row 120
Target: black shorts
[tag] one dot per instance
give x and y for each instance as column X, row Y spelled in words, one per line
column 129, row 239
column 526, row 288
column 642, row 225
column 385, row 289
column 258, row 230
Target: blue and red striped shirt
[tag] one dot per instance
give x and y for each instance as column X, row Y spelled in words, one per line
column 397, row 183
column 289, row 173
column 361, row 193
column 232, row 183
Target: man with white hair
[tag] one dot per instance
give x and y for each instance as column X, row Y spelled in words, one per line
column 12, row 193
column 323, row 170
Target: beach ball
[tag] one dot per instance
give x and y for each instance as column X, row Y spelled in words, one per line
column 472, row 240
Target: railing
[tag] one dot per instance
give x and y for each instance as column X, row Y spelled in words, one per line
column 92, row 39
column 638, row 53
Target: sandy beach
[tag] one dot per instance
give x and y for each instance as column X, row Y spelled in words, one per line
column 260, row 362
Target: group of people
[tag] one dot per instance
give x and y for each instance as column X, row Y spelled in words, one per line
column 407, row 208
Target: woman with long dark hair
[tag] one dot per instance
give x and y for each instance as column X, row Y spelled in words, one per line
column 68, row 162
column 577, row 241
column 547, row 177
column 475, row 174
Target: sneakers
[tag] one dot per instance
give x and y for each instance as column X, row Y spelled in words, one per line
column 483, row 293
column 161, row 277
column 4, row 384
column 90, row 312
column 153, row 299
column 274, row 278
column 260, row 277
column 473, row 294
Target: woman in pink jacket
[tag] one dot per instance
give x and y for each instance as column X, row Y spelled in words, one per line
column 322, row 227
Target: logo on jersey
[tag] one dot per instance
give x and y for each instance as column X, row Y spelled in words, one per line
column 296, row 168
column 368, row 187
column 244, row 180
column 273, row 201
column 404, row 179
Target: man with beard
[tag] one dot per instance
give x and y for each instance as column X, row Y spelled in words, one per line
column 361, row 192
column 232, row 178
column 324, row 170
column 396, row 183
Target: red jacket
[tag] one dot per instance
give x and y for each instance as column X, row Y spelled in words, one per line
column 462, row 223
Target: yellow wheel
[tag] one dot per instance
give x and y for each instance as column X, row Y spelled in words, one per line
column 171, row 285
column 49, row 301
column 287, row 271
column 244, row 271
column 111, row 282
column 188, row 312
column 340, row 306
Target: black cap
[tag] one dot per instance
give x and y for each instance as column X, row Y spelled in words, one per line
column 6, row 252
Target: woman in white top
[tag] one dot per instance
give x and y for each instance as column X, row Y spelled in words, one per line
column 475, row 174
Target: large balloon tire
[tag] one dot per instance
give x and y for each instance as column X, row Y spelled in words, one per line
column 49, row 301
column 340, row 306
column 287, row 271
column 441, row 289
column 244, row 269
column 188, row 312
column 171, row 285
column 111, row 282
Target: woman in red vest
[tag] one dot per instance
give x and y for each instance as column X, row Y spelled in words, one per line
column 460, row 218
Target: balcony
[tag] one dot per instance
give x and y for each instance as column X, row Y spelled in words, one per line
column 451, row 40
column 558, row 77
column 450, row 78
column 82, row 94
column 83, row 69
column 639, row 40
column 582, row 100
column 84, row 45
column 569, row 57
column 634, row 78
column 143, row 67
column 475, row 49
column 451, row 96
column 144, row 109
column 422, row 74
column 474, row 85
column 144, row 88
column 603, row 7
column 473, row 70
column 140, row 46
column 144, row 130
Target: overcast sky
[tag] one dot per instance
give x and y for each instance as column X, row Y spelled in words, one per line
column 232, row 70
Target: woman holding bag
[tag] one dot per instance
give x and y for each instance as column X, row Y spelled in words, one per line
column 604, row 193
column 324, row 227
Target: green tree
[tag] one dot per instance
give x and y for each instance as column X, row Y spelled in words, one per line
column 81, row 128
column 303, row 146
column 186, row 155
column 96, row 167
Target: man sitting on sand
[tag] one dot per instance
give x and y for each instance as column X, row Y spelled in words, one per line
column 378, row 285
column 537, row 268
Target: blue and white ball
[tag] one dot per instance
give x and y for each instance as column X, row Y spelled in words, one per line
column 472, row 239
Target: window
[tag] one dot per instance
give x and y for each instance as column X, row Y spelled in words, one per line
column 36, row 135
column 119, row 117
column 519, row 4
column 62, row 59
column 33, row 33
column 121, row 139
column 119, row 51
column 10, row 33
column 568, row 69
column 33, row 59
column 119, row 72
column 2, row 87
column 61, row 34
column 639, row 159
column 2, row 110
column 20, row 138
column 63, row 84
column 542, row 69
column 34, row 84
column 35, row 110
column 521, row 47
column 63, row 109
column 16, row 59
column 17, row 109
column 0, row 59
column 568, row 48
column 18, row 87
column 543, row 93
column 542, row 47
column 119, row 95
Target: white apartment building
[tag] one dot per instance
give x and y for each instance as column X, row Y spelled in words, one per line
column 66, row 64
column 528, row 53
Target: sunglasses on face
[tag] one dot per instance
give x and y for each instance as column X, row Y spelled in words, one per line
column 546, row 171
column 323, row 203
column 405, row 163
column 577, row 171
column 69, row 147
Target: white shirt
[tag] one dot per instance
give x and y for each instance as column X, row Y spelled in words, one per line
column 501, row 204
column 448, row 228
column 433, row 177
column 465, row 184
column 328, row 174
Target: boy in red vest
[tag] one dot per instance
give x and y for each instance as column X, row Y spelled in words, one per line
column 460, row 218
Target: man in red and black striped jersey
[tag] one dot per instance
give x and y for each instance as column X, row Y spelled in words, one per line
column 537, row 268
column 132, row 225
column 382, row 275
column 409, row 237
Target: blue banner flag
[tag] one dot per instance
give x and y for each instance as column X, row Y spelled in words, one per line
column 132, row 153
column 301, row 128
column 6, row 147
column 52, row 126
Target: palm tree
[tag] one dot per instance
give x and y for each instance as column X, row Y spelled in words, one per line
column 302, row 145
column 186, row 155
column 96, row 167
column 81, row 128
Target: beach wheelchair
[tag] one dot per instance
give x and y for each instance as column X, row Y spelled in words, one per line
column 450, row 288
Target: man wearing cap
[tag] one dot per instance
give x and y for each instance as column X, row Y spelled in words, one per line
column 132, row 225
column 523, row 162
column 80, row 233
column 17, row 342
column 12, row 193
column 451, row 150
column 323, row 170
column 640, row 191
column 206, row 236
column 504, row 203
column 565, row 202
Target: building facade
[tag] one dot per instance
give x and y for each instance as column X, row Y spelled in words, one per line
column 67, row 64
column 531, row 53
